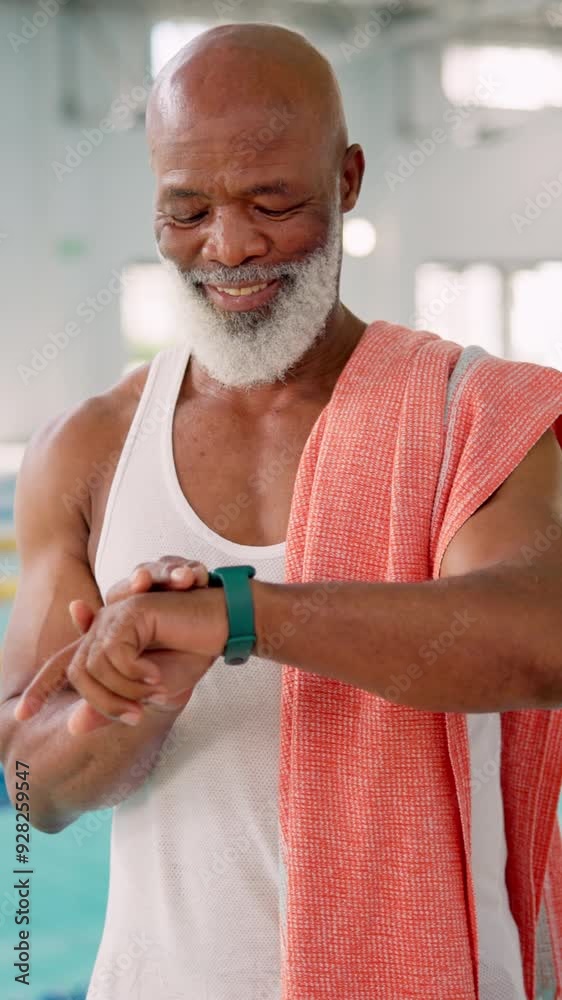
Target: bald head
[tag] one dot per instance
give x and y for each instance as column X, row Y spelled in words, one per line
column 253, row 173
column 232, row 71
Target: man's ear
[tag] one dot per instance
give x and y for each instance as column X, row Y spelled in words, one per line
column 353, row 169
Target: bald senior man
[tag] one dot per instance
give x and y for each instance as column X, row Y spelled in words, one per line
column 133, row 679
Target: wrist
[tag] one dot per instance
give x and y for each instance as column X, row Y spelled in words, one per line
column 220, row 615
column 263, row 595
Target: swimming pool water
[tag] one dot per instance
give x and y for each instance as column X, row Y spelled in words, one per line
column 69, row 891
column 69, row 883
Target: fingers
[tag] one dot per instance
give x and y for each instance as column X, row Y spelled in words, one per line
column 171, row 573
column 167, row 573
column 180, row 576
column 64, row 667
column 82, row 615
column 85, row 719
column 51, row 679
column 104, row 666
column 105, row 702
column 113, row 681
column 125, row 588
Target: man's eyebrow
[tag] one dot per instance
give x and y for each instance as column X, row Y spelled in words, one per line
column 178, row 192
column 276, row 187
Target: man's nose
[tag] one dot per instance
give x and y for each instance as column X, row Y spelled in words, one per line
column 232, row 240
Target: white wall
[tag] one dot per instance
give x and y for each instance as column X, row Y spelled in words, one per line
column 102, row 204
column 458, row 204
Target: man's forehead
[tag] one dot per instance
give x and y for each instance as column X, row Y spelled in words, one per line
column 265, row 126
column 268, row 155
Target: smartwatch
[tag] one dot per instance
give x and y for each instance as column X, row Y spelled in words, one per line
column 240, row 609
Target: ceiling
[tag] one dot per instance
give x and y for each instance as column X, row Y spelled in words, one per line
column 217, row 10
column 527, row 20
column 417, row 20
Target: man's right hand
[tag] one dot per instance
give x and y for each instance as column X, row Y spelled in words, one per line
column 169, row 573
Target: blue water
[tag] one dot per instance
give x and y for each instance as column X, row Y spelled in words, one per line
column 68, row 888
column 7, row 491
column 68, row 897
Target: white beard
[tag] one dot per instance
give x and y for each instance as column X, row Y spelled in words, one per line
column 259, row 346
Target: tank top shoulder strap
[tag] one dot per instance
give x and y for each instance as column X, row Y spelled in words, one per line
column 466, row 358
column 157, row 402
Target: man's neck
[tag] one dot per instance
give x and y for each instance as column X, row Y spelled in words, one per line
column 313, row 377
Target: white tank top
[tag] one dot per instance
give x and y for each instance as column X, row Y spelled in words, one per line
column 193, row 906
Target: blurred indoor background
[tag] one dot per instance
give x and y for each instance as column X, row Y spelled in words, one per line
column 458, row 105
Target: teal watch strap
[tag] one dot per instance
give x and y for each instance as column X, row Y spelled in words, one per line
column 240, row 609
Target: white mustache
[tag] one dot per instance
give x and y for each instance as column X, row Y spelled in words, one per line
column 236, row 275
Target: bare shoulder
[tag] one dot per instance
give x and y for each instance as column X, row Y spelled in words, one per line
column 62, row 455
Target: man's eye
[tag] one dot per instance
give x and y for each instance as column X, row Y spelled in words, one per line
column 269, row 211
column 190, row 218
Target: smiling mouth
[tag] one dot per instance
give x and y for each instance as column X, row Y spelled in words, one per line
column 238, row 290
column 237, row 298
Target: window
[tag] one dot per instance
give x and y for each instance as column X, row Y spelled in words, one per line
column 151, row 316
column 524, row 78
column 511, row 311
column 168, row 37
column 461, row 304
column 536, row 314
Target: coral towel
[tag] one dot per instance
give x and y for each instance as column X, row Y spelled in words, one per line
column 375, row 826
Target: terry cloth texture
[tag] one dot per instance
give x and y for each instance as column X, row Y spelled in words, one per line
column 375, row 825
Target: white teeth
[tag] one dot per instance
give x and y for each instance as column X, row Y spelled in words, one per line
column 242, row 291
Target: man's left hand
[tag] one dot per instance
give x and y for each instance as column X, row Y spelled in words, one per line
column 170, row 638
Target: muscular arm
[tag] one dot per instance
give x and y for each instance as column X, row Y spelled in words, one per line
column 69, row 774
column 485, row 637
